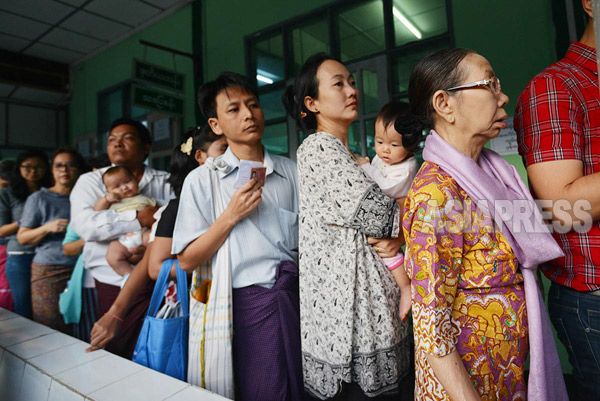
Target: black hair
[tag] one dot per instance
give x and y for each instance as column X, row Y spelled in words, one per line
column 439, row 70
column 388, row 115
column 140, row 128
column 305, row 84
column 7, row 170
column 182, row 163
column 18, row 183
column 203, row 137
column 207, row 93
column 99, row 161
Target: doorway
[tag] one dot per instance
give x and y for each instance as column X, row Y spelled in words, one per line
column 372, row 82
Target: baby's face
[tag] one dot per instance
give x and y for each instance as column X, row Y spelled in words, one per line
column 122, row 184
column 388, row 144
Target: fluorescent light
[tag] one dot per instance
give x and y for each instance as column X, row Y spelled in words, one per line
column 264, row 79
column 406, row 23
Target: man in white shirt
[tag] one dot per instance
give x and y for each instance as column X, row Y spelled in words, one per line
column 261, row 223
column 128, row 145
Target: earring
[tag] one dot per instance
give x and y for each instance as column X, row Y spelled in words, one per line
column 316, row 109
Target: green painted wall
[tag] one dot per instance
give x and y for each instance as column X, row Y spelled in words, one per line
column 517, row 39
column 114, row 65
column 234, row 20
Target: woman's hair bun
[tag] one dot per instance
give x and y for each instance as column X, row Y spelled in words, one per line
column 411, row 128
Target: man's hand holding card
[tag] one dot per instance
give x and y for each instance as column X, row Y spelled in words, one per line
column 250, row 170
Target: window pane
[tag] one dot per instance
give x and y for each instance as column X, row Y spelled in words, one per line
column 275, row 139
column 139, row 112
column 268, row 54
column 271, row 104
column 370, row 130
column 307, row 40
column 354, row 138
column 360, row 30
column 370, row 94
column 406, row 61
column 418, row 20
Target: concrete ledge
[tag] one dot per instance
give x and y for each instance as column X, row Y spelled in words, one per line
column 41, row 364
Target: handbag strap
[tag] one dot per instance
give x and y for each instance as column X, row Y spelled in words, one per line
column 161, row 286
column 218, row 203
column 182, row 289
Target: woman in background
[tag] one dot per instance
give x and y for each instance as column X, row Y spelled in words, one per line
column 45, row 217
column 32, row 173
column 6, row 173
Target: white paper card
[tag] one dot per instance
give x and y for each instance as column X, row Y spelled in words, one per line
column 244, row 172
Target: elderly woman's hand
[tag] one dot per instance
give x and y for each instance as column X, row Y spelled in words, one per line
column 386, row 247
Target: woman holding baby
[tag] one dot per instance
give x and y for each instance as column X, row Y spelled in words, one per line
column 354, row 344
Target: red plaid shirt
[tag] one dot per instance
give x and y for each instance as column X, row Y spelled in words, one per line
column 558, row 118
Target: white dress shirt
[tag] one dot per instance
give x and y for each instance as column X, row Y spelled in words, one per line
column 260, row 241
column 99, row 228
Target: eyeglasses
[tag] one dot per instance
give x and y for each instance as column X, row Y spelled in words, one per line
column 493, row 83
column 60, row 166
column 27, row 167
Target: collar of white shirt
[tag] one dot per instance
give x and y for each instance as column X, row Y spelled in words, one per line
column 272, row 164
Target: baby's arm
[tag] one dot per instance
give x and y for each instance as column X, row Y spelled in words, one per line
column 104, row 202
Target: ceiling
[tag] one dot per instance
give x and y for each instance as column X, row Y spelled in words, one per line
column 69, row 31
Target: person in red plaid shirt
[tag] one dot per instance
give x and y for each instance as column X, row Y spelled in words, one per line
column 558, row 126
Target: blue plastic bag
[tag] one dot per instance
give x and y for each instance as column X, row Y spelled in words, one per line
column 163, row 343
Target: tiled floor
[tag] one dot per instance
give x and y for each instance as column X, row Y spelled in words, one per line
column 38, row 363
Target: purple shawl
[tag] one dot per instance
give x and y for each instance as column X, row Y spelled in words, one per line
column 489, row 179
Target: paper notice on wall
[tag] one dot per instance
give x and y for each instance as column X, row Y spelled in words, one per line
column 162, row 129
column 506, row 142
column 84, row 148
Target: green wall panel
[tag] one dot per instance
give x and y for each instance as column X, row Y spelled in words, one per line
column 516, row 37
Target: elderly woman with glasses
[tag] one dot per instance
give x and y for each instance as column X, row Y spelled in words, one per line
column 43, row 224
column 477, row 309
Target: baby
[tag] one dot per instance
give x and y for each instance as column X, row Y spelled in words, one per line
column 393, row 169
column 121, row 196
